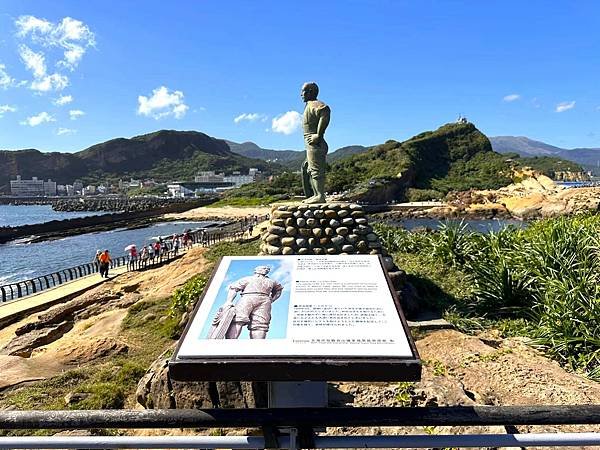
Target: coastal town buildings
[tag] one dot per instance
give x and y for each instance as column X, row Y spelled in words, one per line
column 32, row 188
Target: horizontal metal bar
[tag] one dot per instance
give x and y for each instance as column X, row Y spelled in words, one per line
column 302, row 417
column 249, row 442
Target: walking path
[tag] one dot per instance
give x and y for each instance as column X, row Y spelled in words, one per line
column 15, row 309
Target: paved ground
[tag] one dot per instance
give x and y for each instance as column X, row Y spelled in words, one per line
column 49, row 297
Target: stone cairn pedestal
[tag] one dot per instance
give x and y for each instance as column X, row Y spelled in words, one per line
column 321, row 229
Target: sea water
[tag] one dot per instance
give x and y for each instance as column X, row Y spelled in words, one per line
column 22, row 261
column 15, row 216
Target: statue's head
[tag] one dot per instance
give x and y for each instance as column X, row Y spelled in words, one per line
column 262, row 270
column 309, row 91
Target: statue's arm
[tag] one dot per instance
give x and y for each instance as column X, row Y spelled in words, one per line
column 324, row 117
column 234, row 288
column 276, row 292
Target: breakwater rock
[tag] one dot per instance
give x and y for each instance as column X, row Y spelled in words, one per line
column 122, row 204
column 61, row 228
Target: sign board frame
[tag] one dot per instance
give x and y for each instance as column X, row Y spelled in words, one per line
column 297, row 368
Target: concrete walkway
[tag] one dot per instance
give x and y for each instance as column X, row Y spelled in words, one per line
column 14, row 310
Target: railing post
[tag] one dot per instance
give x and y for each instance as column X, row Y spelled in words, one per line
column 3, row 293
column 48, row 282
column 33, row 289
column 19, row 293
column 60, row 281
column 12, row 294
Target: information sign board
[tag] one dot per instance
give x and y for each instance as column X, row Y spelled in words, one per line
column 297, row 318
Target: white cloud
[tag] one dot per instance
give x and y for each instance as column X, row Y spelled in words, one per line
column 42, row 117
column 511, row 97
column 61, row 131
column 5, row 80
column 75, row 114
column 6, row 108
column 35, row 62
column 162, row 103
column 287, row 123
column 250, row 117
column 72, row 36
column 283, row 273
column 63, row 100
column 565, row 106
column 54, row 82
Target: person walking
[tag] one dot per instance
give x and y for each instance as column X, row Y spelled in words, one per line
column 175, row 244
column 133, row 254
column 144, row 256
column 150, row 248
column 97, row 260
column 105, row 261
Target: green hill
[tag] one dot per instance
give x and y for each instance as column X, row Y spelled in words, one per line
column 456, row 156
column 163, row 155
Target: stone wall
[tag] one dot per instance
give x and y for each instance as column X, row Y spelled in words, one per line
column 322, row 229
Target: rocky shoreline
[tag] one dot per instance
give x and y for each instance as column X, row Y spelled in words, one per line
column 57, row 229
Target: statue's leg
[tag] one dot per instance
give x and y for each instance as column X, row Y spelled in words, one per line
column 234, row 331
column 258, row 334
column 316, row 158
column 306, row 180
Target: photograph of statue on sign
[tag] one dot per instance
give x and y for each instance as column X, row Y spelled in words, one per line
column 301, row 305
column 245, row 306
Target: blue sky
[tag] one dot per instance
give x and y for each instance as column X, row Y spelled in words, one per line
column 388, row 69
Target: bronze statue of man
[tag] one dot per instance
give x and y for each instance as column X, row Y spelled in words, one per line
column 315, row 120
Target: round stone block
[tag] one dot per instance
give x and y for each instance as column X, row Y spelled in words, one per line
column 282, row 214
column 329, row 231
column 318, row 251
column 319, row 213
column 324, row 241
column 356, row 214
column 362, row 245
column 330, row 213
column 291, row 231
column 272, row 238
column 312, row 241
column 287, row 251
column 334, row 206
column 355, row 207
column 276, row 230
column 301, row 221
column 282, row 208
column 334, row 223
column 371, row 237
column 312, row 222
column 290, row 222
column 352, row 238
column 301, row 242
column 348, row 248
column 302, row 251
column 272, row 250
column 331, row 251
column 297, row 214
column 304, row 232
column 348, row 221
column 317, row 232
column 288, row 241
column 343, row 213
column 278, row 222
column 361, row 220
column 308, row 214
column 337, row 240
column 342, row 231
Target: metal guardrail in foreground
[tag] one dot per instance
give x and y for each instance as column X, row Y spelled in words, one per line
column 296, row 427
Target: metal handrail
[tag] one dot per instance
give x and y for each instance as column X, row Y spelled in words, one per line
column 14, row 291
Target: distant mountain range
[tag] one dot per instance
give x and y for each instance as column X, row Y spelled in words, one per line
column 589, row 158
column 163, row 155
column 291, row 159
